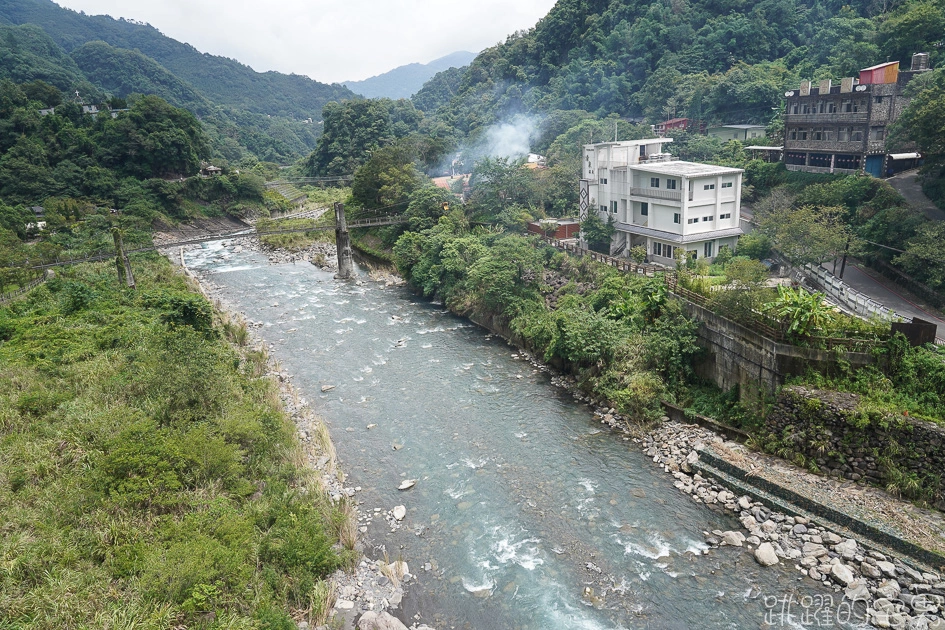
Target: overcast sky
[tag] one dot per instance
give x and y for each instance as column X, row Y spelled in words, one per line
column 329, row 40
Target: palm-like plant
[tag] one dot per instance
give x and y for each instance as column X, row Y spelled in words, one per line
column 800, row 312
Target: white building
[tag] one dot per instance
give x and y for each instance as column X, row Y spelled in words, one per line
column 660, row 202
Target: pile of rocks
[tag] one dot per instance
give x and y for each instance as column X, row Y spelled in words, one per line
column 883, row 591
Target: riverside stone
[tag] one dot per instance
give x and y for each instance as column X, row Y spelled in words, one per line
column 765, row 555
column 735, row 539
column 841, row 574
column 379, row 621
column 888, row 568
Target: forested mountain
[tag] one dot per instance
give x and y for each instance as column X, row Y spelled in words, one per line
column 719, row 60
column 222, row 80
column 27, row 54
column 404, row 81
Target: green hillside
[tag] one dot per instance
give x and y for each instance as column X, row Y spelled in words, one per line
column 719, row 60
column 123, row 72
column 222, row 80
column 27, row 53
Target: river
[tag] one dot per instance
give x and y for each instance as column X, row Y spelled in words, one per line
column 522, row 501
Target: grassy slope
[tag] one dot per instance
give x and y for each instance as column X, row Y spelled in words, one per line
column 148, row 476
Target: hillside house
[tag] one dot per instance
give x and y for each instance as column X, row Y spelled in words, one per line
column 659, row 202
column 668, row 126
column 742, row 133
column 842, row 128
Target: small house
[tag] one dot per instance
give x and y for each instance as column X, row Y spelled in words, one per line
column 556, row 228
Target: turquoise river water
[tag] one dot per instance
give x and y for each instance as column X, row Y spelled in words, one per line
column 518, row 487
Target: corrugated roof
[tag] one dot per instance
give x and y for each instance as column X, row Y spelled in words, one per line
column 888, row 63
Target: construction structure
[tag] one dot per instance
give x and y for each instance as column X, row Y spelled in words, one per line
column 843, row 128
column 664, row 204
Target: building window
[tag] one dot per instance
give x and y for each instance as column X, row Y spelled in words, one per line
column 654, row 182
column 727, row 215
column 613, row 207
column 707, row 218
column 671, row 184
column 856, row 135
column 603, row 209
column 832, row 107
column 821, row 107
column 645, row 209
column 726, row 184
column 846, row 106
column 805, row 108
column 603, row 180
column 802, row 134
column 877, row 133
column 677, row 217
column 691, row 221
column 693, row 254
column 828, row 134
column 709, row 187
column 877, row 99
column 668, row 251
column 707, row 250
column 818, row 133
column 843, row 134
column 793, row 134
column 793, row 108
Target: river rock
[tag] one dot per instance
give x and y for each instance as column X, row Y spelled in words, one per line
column 888, row 568
column 857, row 591
column 744, row 503
column 735, row 539
column 400, row 512
column 765, row 555
column 379, row 621
column 841, row 574
column 831, row 539
column 407, row 484
column 870, row 571
column 799, row 529
column 813, row 550
column 847, row 548
column 889, row 589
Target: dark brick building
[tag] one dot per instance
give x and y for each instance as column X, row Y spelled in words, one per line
column 842, row 128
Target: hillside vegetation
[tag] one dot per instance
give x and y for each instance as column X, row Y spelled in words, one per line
column 132, row 494
column 246, row 113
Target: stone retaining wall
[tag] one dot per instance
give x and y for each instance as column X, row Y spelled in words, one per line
column 831, row 433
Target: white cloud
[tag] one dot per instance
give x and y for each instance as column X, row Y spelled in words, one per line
column 329, row 40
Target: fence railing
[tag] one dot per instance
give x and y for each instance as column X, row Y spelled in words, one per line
column 623, row 264
column 12, row 295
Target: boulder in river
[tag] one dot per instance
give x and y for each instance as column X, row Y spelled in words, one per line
column 407, row 484
column 379, row 621
column 765, row 555
column 400, row 512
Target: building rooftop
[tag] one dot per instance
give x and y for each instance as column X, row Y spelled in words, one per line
column 679, row 238
column 686, row 169
column 738, row 126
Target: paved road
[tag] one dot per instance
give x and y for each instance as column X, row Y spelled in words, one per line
column 908, row 186
column 884, row 292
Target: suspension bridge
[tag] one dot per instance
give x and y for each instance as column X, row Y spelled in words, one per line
column 340, row 226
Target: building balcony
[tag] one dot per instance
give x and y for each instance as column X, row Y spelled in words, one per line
column 672, row 237
column 837, row 117
column 656, row 193
column 825, row 146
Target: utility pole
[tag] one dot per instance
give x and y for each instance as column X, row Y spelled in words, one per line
column 343, row 243
column 122, row 263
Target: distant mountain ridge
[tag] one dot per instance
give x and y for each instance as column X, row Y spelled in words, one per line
column 405, row 81
column 224, row 81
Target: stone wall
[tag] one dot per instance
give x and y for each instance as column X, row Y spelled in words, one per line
column 757, row 364
column 831, row 433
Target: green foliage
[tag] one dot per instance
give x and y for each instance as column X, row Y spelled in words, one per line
column 802, row 314
column 386, row 180
column 808, row 234
column 144, row 471
column 597, row 233
column 924, row 257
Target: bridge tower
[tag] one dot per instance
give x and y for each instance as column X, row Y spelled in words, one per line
column 343, row 242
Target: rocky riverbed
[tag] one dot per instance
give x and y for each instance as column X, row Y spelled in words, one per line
column 865, row 586
column 882, row 590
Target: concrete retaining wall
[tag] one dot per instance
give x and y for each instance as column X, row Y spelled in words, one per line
column 757, row 364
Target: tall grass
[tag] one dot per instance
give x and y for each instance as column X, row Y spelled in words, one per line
column 147, row 470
